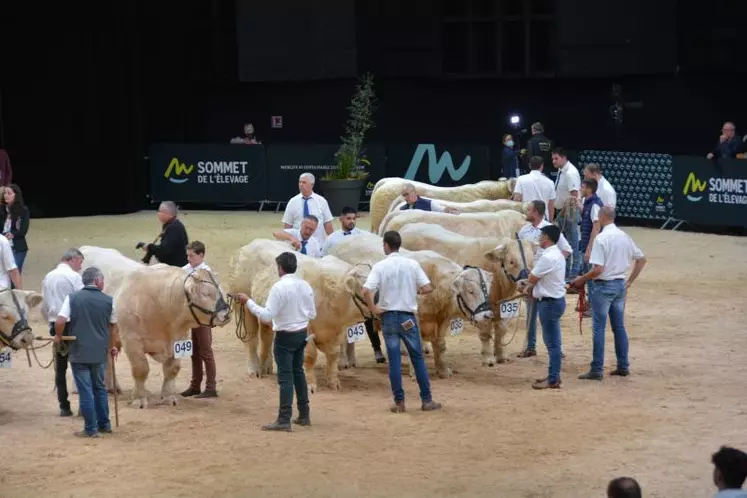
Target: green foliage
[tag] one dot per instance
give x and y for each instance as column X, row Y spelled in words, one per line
column 350, row 155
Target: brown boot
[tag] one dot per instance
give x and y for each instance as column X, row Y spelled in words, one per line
column 544, row 384
column 527, row 353
column 398, row 407
column 430, row 406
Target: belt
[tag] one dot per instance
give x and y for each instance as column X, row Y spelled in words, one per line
column 599, row 280
column 397, row 311
column 292, row 331
column 547, row 298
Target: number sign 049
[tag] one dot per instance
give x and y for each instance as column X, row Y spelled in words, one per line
column 182, row 349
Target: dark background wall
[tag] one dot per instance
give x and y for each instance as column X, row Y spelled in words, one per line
column 86, row 88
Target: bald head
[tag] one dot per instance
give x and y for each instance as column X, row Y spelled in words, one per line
column 606, row 215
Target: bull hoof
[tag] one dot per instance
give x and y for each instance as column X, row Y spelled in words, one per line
column 427, row 349
column 312, row 388
column 255, row 374
column 335, row 385
column 503, row 360
column 445, row 374
column 267, row 370
column 489, row 362
column 342, row 365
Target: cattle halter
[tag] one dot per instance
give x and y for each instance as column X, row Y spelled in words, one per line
column 220, row 304
column 21, row 326
column 524, row 273
column 481, row 308
column 360, row 303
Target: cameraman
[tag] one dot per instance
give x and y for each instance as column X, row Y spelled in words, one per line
column 540, row 145
column 170, row 247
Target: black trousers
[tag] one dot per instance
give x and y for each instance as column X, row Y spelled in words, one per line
column 373, row 336
column 289, row 352
column 60, row 375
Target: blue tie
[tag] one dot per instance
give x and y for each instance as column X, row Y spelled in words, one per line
column 346, row 233
column 303, row 246
column 306, row 206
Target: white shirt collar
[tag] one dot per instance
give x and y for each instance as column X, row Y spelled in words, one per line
column 289, row 276
column 394, row 253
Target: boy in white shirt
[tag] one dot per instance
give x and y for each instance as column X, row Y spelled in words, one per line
column 202, row 336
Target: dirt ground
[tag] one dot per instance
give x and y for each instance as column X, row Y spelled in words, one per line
column 495, row 436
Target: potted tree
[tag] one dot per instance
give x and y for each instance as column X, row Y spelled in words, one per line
column 342, row 185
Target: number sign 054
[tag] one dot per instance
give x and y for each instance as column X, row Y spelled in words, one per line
column 6, row 358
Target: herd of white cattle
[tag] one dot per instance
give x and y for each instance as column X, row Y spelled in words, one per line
column 472, row 259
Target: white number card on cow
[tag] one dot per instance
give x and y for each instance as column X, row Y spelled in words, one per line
column 182, row 349
column 356, row 333
column 456, row 326
column 510, row 309
column 6, row 358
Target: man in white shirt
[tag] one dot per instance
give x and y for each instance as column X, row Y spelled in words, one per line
column 729, row 472
column 306, row 203
column 535, row 186
column 347, row 222
column 290, row 306
column 202, row 336
column 399, row 280
column 610, row 258
column 414, row 201
column 57, row 285
column 531, row 232
column 605, row 190
column 567, row 206
column 9, row 271
column 303, row 239
column 547, row 286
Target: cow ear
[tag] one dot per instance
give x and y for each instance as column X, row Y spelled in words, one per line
column 496, row 255
column 32, row 298
column 351, row 284
column 456, row 284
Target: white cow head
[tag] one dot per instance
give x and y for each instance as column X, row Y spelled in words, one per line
column 206, row 300
column 14, row 312
column 354, row 281
column 509, row 256
column 471, row 289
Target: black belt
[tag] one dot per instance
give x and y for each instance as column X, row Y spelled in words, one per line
column 597, row 281
column 549, row 298
column 292, row 331
column 397, row 311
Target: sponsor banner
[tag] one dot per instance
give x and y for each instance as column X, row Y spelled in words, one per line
column 445, row 165
column 207, row 173
column 286, row 162
column 710, row 192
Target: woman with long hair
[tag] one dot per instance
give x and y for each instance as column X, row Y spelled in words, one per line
column 16, row 219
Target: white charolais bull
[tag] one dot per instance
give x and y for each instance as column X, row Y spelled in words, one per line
column 458, row 293
column 500, row 255
column 388, row 189
column 15, row 331
column 156, row 307
column 333, row 281
column 472, row 224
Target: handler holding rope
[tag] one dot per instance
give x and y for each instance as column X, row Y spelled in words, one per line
column 610, row 258
column 567, row 203
column 57, row 285
column 91, row 316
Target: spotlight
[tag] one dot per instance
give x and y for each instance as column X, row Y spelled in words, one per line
column 514, row 120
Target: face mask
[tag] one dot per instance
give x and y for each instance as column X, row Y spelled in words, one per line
column 510, row 143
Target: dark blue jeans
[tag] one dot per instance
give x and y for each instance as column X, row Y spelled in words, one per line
column 92, row 395
column 550, row 311
column 609, row 299
column 391, row 327
column 19, row 257
column 288, row 350
column 531, row 324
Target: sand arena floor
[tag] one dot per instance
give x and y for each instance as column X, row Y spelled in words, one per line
column 495, row 436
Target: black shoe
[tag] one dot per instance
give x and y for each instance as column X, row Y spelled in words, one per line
column 380, row 357
column 304, row 421
column 105, row 430
column 620, row 372
column 190, row 392
column 85, row 434
column 430, row 406
column 591, row 376
column 66, row 412
column 207, row 394
column 278, row 426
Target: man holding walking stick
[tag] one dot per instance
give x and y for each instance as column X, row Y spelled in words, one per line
column 91, row 318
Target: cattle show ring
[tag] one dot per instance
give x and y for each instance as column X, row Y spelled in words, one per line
column 495, row 436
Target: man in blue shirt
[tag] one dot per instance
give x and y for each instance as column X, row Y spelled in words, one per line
column 589, row 228
column 414, row 201
column 728, row 144
column 93, row 321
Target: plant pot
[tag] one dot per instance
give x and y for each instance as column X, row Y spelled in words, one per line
column 341, row 193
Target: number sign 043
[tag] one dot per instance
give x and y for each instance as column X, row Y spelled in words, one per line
column 182, row 349
column 357, row 332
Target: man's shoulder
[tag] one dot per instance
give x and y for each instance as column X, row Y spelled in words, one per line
column 318, row 197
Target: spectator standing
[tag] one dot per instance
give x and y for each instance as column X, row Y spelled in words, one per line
column 306, row 203
column 171, row 244
column 729, row 472
column 347, row 222
column 510, row 158
column 6, row 170
column 57, row 285
column 531, row 232
column 92, row 320
column 547, row 287
column 729, row 143
column 248, row 138
column 414, row 201
column 399, row 280
column 567, row 204
column 17, row 219
column 605, row 190
column 540, row 145
column 534, row 186
column 290, row 306
column 202, row 336
column 610, row 258
column 303, row 239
